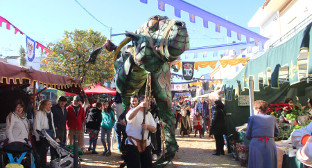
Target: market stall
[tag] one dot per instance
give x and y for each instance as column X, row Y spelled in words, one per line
column 281, row 72
column 17, row 82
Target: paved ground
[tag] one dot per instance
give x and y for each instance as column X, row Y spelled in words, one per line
column 193, row 153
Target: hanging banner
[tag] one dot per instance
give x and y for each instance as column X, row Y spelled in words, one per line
column 30, row 46
column 194, row 12
column 188, row 70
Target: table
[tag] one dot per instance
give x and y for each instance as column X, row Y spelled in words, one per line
column 286, row 157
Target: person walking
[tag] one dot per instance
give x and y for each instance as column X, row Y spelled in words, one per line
column 203, row 107
column 108, row 121
column 218, row 127
column 75, row 120
column 93, row 125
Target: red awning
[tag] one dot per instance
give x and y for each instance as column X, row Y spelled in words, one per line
column 98, row 89
column 17, row 75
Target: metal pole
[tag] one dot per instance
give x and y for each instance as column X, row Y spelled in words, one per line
column 110, row 33
column 34, row 98
column 251, row 95
column 75, row 151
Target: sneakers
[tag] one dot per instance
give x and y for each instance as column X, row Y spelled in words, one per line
column 95, row 152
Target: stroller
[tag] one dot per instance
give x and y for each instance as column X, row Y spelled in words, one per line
column 65, row 159
column 16, row 154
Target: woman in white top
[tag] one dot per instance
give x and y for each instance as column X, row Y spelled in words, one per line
column 43, row 121
column 17, row 125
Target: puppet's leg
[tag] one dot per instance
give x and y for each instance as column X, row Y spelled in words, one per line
column 161, row 91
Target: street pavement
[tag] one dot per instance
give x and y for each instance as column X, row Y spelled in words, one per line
column 194, row 152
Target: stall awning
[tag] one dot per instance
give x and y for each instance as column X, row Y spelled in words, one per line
column 17, row 75
column 289, row 62
column 98, row 89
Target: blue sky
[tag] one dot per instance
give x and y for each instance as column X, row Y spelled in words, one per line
column 45, row 20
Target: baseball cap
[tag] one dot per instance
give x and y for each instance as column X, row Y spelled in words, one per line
column 62, row 98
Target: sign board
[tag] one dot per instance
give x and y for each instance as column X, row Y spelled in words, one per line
column 243, row 100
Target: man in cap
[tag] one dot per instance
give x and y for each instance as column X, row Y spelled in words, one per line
column 75, row 121
column 59, row 117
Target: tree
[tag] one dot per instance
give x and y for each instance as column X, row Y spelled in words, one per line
column 22, row 56
column 68, row 57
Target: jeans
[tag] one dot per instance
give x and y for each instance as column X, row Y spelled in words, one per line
column 108, row 133
column 120, row 130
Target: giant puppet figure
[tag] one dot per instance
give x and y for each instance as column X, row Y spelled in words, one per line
column 154, row 45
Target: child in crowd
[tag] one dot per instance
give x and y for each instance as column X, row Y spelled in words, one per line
column 197, row 120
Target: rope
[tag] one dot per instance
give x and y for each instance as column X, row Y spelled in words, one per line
column 165, row 37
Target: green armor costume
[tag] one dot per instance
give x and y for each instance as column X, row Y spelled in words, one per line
column 154, row 45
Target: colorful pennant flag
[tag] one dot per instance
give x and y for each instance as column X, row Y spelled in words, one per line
column 30, row 48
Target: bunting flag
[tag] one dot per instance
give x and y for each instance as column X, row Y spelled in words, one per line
column 180, row 5
column 195, row 55
column 181, row 76
column 42, row 48
column 215, row 54
column 8, row 25
column 233, row 62
column 29, row 41
column 238, row 47
column 188, row 70
column 212, row 64
column 217, row 28
column 196, row 84
column 30, row 48
column 239, row 37
column 186, row 55
column 205, row 64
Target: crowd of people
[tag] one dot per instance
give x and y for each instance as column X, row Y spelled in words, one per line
column 134, row 138
column 61, row 123
column 205, row 119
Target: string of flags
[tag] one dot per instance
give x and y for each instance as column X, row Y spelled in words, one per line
column 31, row 44
column 222, row 49
column 193, row 85
column 207, row 17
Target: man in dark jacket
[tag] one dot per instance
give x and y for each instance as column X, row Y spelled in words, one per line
column 202, row 107
column 59, row 117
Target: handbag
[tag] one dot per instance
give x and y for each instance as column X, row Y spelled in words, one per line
column 141, row 144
